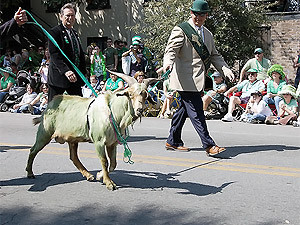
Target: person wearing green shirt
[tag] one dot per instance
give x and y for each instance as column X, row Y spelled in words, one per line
column 275, row 85
column 259, row 63
column 111, row 56
column 247, row 87
column 114, row 83
column 6, row 82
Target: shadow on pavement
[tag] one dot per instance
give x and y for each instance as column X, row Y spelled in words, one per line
column 124, row 179
column 158, row 181
column 144, row 138
column 101, row 214
column 237, row 150
column 5, row 148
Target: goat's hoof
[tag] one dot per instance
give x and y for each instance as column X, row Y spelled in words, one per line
column 90, row 178
column 111, row 186
column 30, row 176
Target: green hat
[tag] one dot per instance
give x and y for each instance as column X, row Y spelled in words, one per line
column 288, row 89
column 216, row 74
column 252, row 70
column 136, row 38
column 7, row 70
column 200, row 6
column 259, row 50
column 135, row 43
column 276, row 68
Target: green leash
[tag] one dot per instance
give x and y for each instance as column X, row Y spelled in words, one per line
column 121, row 140
column 165, row 76
column 55, row 43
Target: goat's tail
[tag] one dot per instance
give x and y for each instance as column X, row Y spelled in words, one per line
column 36, row 120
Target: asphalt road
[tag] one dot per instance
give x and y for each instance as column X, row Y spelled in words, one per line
column 256, row 181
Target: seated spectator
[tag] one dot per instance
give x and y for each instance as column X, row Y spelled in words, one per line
column 35, row 58
column 14, row 68
column 140, row 77
column 7, row 81
column 87, row 92
column 39, row 104
column 219, row 87
column 25, row 63
column 247, row 87
column 259, row 63
column 101, row 86
column 27, row 98
column 287, row 107
column 275, row 85
column 257, row 110
column 114, row 83
column 17, row 57
column 167, row 98
column 7, row 58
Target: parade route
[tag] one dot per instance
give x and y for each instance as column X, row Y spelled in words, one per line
column 256, row 181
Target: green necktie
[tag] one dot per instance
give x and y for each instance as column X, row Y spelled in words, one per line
column 75, row 48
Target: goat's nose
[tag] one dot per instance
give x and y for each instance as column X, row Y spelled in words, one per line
column 139, row 111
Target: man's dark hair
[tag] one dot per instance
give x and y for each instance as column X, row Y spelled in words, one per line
column 117, row 42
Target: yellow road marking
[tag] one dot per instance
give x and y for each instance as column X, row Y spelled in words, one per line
column 181, row 162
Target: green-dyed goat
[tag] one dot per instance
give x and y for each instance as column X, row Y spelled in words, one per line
column 75, row 119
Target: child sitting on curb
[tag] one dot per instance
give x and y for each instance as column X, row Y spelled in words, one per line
column 257, row 110
column 219, row 87
column 287, row 107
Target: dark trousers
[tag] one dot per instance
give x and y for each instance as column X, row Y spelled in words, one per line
column 297, row 79
column 191, row 106
column 73, row 90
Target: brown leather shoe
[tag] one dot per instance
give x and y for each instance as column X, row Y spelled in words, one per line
column 214, row 150
column 179, row 148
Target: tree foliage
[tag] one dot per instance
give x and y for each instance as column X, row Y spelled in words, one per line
column 236, row 28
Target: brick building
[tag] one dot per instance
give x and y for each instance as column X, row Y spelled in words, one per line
column 283, row 41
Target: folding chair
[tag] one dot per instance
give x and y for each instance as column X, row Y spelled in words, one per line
column 152, row 110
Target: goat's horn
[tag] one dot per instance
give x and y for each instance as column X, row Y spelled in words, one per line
column 130, row 80
column 148, row 81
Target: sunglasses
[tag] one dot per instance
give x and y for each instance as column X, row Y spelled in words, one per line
column 199, row 13
column 258, row 53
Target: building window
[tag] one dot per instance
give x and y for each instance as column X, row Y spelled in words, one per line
column 98, row 4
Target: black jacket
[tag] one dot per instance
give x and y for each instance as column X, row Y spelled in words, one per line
column 9, row 28
column 59, row 65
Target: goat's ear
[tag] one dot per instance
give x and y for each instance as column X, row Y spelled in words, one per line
column 150, row 99
column 123, row 93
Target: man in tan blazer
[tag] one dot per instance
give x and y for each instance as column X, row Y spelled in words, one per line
column 188, row 77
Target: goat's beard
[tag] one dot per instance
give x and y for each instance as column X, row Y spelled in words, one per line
column 135, row 118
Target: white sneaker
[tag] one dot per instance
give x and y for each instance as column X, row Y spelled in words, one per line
column 296, row 124
column 243, row 117
column 227, row 118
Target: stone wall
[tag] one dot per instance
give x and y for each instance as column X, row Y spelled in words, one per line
column 284, row 41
